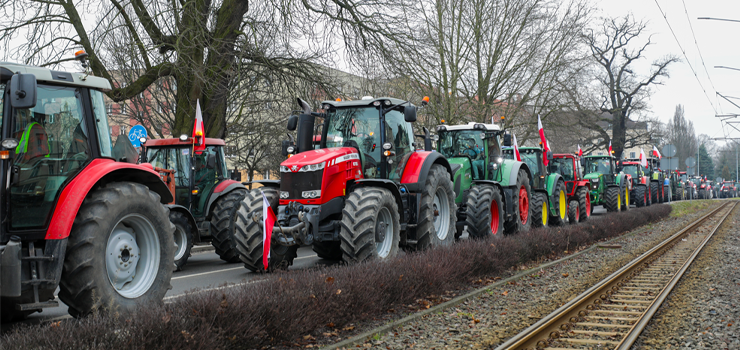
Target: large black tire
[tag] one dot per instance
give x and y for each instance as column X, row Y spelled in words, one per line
column 625, row 194
column 127, row 213
column 364, row 233
column 183, row 237
column 701, row 194
column 330, row 250
column 613, row 199
column 10, row 314
column 222, row 222
column 485, row 212
column 573, row 212
column 640, row 196
column 584, row 204
column 248, row 234
column 437, row 210
column 562, row 210
column 654, row 191
column 540, row 210
column 666, row 194
column 516, row 223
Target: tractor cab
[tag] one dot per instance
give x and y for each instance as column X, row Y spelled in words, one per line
column 534, row 158
column 472, row 145
column 636, row 171
column 601, row 168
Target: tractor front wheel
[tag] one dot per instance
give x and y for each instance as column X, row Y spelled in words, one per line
column 540, row 210
column 485, row 212
column 626, row 198
column 370, row 226
column 654, row 192
column 573, row 212
column 222, row 222
column 248, row 234
column 120, row 251
column 613, row 199
column 183, row 238
column 640, row 196
column 437, row 213
column 330, row 250
column 666, row 194
column 584, row 204
column 561, row 204
column 521, row 220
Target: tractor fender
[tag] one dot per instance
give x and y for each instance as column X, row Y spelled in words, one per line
column 552, row 180
column 383, row 183
column 188, row 215
column 514, row 172
column 418, row 166
column 266, row 183
column 98, row 173
column 221, row 189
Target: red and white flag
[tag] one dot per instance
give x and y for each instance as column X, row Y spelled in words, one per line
column 543, row 139
column 268, row 221
column 580, row 151
column 199, row 130
column 610, row 147
column 516, row 151
column 643, row 158
column 656, row 153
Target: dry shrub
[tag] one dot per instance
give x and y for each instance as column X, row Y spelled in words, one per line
column 285, row 306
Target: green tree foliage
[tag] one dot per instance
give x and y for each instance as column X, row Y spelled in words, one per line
column 706, row 164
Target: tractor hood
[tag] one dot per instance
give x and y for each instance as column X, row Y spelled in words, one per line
column 328, row 156
column 592, row 176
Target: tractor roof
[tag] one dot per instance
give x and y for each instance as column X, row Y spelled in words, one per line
column 178, row 142
column 471, row 126
column 47, row 75
column 564, row 155
column 629, row 162
column 598, row 156
column 363, row 102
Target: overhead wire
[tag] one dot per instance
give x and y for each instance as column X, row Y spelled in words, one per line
column 696, row 43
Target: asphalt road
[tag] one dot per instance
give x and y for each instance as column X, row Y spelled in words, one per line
column 204, row 271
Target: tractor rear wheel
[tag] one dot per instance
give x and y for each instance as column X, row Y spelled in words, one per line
column 666, row 194
column 613, row 199
column 573, row 212
column 370, row 226
column 584, row 204
column 120, row 251
column 248, row 234
column 222, row 222
column 522, row 195
column 561, row 204
column 640, row 196
column 183, row 238
column 540, row 210
column 330, row 250
column 485, row 212
column 654, row 189
column 625, row 198
column 437, row 211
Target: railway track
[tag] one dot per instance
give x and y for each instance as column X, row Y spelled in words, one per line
column 613, row 313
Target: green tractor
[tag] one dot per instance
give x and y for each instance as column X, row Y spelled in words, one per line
column 610, row 186
column 493, row 193
column 550, row 200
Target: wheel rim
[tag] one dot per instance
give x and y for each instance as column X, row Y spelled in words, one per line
column 384, row 232
column 132, row 238
column 494, row 217
column 627, row 197
column 619, row 202
column 563, row 205
column 544, row 213
column 588, row 205
column 523, row 205
column 578, row 214
column 181, row 240
column 441, row 213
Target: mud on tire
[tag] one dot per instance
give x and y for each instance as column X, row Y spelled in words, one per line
column 222, row 222
column 365, row 234
column 133, row 213
column 248, row 234
column 183, row 237
column 485, row 212
column 540, row 211
column 516, row 224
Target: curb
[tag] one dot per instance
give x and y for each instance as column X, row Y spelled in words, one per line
column 457, row 300
column 202, row 249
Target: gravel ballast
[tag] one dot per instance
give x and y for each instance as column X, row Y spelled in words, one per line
column 488, row 319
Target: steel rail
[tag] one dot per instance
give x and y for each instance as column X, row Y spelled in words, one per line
column 563, row 319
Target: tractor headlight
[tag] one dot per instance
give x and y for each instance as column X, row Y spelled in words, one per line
column 499, row 160
column 313, row 167
column 284, row 194
column 495, row 166
column 284, row 169
column 311, row 194
column 290, row 149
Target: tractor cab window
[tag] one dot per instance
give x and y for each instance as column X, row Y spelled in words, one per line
column 533, row 159
column 359, row 128
column 204, row 178
column 101, row 121
column 631, row 170
column 564, row 167
column 684, row 177
column 53, row 147
column 465, row 143
column 399, row 134
column 598, row 165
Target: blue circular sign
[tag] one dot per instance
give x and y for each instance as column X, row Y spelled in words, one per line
column 136, row 132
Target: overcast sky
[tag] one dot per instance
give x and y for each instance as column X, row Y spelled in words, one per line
column 716, row 40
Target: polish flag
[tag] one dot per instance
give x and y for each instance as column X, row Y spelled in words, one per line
column 610, row 148
column 656, row 153
column 516, row 150
column 580, row 151
column 543, row 139
column 199, row 130
column 643, row 158
column 268, row 221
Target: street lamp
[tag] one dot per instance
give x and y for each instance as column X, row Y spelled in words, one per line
column 719, row 19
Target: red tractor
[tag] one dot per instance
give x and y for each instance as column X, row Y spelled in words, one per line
column 205, row 198
column 77, row 213
column 361, row 193
column 576, row 187
column 640, row 193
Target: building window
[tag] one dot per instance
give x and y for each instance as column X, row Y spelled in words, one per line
column 600, row 153
column 230, row 151
column 109, row 108
column 123, row 108
column 632, row 154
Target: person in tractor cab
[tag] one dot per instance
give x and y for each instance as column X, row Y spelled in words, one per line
column 204, row 178
column 33, row 141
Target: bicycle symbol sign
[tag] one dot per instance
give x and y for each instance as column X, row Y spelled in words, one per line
column 136, row 133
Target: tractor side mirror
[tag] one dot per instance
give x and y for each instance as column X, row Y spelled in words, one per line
column 292, row 122
column 659, row 164
column 549, row 155
column 583, row 162
column 235, row 175
column 427, row 140
column 507, row 139
column 23, row 91
column 211, row 162
column 552, row 168
column 409, row 113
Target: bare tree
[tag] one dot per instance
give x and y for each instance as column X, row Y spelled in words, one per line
column 623, row 91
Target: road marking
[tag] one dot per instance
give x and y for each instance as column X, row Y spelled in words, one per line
column 229, row 269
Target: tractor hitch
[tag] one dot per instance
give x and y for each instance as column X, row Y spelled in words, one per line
column 282, row 235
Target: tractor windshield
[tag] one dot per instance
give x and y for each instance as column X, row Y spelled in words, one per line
column 461, row 143
column 631, row 169
column 564, row 167
column 598, row 165
column 684, row 177
column 533, row 159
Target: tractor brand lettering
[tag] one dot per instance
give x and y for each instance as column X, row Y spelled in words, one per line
column 345, row 158
column 294, row 168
